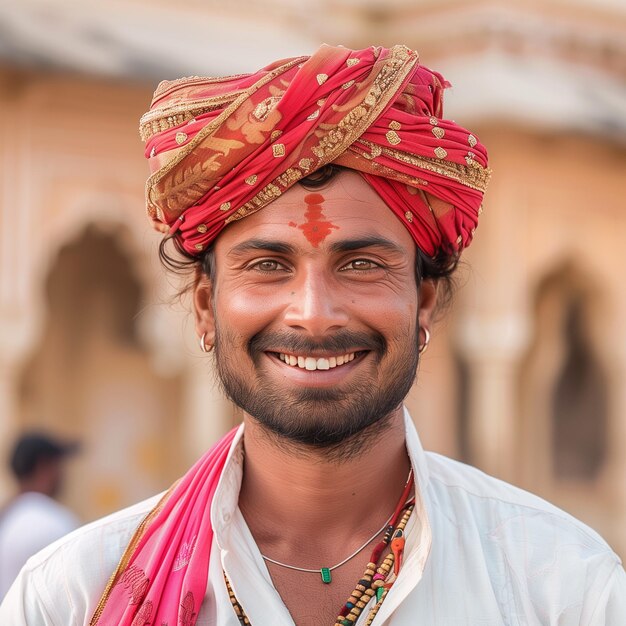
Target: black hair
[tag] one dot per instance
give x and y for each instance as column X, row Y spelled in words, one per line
column 33, row 448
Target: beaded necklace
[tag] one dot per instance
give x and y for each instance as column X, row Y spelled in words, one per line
column 377, row 579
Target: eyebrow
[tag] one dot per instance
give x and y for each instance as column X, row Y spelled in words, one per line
column 345, row 245
column 279, row 247
column 348, row 245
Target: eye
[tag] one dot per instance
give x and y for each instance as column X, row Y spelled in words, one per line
column 267, row 266
column 360, row 265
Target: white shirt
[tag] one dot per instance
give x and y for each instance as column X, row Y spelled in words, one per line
column 28, row 524
column 479, row 552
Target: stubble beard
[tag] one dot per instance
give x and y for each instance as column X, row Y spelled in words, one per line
column 313, row 417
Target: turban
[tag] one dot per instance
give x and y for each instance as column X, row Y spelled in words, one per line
column 222, row 148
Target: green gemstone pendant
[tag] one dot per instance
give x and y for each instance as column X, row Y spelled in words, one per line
column 326, row 577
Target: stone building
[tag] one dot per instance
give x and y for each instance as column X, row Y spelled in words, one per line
column 525, row 376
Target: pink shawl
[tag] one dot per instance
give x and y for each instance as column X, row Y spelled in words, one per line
column 162, row 576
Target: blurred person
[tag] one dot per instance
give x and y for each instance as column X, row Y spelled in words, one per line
column 322, row 203
column 33, row 518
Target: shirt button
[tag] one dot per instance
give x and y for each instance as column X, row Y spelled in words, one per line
column 226, row 517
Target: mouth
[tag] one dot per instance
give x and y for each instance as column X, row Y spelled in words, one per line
column 313, row 363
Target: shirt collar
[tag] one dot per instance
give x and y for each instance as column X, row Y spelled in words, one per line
column 416, row 454
column 226, row 497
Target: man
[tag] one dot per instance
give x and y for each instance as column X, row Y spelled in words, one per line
column 33, row 518
column 323, row 203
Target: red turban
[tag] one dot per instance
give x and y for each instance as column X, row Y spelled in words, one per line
column 222, row 148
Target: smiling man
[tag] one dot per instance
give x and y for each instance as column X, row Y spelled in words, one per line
column 323, row 203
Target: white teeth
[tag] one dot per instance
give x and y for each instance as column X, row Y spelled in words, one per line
column 311, row 363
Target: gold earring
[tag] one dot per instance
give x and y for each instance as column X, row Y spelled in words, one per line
column 203, row 345
column 424, row 346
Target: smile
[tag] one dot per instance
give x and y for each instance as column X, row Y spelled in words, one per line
column 312, row 363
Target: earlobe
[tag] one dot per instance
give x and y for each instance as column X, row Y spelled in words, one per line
column 203, row 309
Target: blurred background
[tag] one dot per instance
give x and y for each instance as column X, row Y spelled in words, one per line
column 526, row 374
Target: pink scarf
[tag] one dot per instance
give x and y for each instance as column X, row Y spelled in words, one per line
column 162, row 576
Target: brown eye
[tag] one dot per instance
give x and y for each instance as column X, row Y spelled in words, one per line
column 268, row 265
column 360, row 265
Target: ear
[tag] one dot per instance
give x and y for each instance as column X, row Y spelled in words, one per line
column 203, row 307
column 427, row 301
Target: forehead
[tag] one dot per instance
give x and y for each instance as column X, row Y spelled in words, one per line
column 346, row 207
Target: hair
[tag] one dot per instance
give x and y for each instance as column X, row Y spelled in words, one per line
column 439, row 268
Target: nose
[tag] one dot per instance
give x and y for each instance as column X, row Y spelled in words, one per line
column 316, row 304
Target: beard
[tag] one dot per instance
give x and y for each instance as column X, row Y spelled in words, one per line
column 320, row 418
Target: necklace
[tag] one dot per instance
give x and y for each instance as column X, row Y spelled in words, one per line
column 377, row 579
column 325, row 572
column 375, row 583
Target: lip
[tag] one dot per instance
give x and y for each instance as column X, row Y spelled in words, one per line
column 317, row 378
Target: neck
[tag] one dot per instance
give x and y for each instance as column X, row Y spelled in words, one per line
column 292, row 495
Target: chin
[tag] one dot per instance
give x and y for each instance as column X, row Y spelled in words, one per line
column 322, row 418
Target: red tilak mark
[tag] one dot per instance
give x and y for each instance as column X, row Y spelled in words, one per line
column 315, row 229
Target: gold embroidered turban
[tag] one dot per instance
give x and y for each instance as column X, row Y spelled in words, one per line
column 222, row 148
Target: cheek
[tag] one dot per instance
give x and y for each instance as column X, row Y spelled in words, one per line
column 395, row 316
column 245, row 312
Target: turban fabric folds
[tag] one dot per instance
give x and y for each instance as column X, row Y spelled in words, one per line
column 222, row 148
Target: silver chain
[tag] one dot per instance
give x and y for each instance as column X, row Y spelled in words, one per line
column 330, row 569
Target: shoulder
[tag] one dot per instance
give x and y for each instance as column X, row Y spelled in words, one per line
column 105, row 538
column 500, row 506
column 65, row 579
column 528, row 549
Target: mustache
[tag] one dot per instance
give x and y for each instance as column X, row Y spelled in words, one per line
column 342, row 341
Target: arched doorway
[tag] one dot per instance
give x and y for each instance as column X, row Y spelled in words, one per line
column 564, row 389
column 90, row 376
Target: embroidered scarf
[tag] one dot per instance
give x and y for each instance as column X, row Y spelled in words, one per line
column 162, row 576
